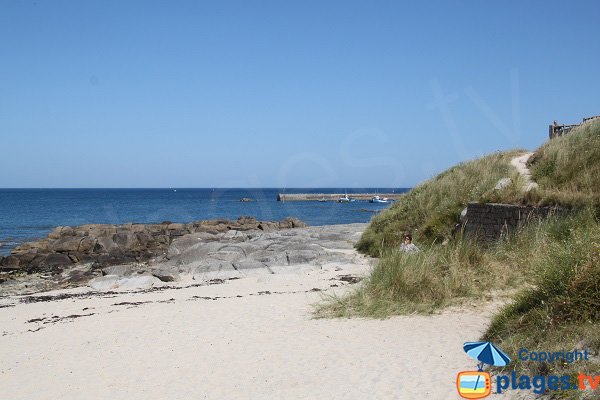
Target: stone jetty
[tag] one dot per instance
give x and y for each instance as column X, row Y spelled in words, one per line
column 334, row 196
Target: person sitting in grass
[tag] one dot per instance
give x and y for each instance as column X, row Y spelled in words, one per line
column 408, row 245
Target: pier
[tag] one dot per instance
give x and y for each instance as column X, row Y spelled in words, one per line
column 334, row 196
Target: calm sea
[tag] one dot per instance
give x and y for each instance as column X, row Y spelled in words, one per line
column 26, row 214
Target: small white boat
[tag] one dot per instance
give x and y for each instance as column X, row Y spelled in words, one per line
column 377, row 199
column 345, row 199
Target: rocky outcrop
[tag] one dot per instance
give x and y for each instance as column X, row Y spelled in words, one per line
column 203, row 256
column 104, row 245
column 235, row 253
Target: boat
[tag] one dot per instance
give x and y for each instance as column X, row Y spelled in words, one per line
column 345, row 199
column 377, row 199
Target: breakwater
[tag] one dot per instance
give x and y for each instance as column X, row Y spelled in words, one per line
column 334, row 196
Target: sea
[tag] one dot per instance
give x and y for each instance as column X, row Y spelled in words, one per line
column 28, row 214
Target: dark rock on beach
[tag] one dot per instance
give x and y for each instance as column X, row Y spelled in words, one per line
column 104, row 245
column 134, row 256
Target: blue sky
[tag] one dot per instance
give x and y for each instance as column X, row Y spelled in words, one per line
column 283, row 93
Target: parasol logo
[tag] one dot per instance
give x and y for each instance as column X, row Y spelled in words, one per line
column 478, row 384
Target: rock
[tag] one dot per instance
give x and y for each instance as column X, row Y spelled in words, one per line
column 123, row 240
column 165, row 274
column 57, row 260
column 208, row 270
column 244, row 224
column 66, row 244
column 463, row 215
column 26, row 258
column 235, row 236
column 86, row 245
column 271, row 258
column 248, row 264
column 118, row 270
column 107, row 282
column 290, row 222
column 268, row 226
column 502, row 183
column 67, row 231
column 78, row 275
column 105, row 244
column 218, row 242
column 113, row 282
column 301, row 256
column 55, row 234
column 175, row 227
column 10, row 262
column 246, row 200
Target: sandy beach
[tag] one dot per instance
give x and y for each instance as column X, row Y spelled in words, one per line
column 240, row 337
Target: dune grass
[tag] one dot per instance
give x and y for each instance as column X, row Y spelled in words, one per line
column 567, row 168
column 425, row 281
column 430, row 211
column 561, row 310
column 442, row 275
column 553, row 263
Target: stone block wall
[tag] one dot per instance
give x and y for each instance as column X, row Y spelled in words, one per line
column 492, row 221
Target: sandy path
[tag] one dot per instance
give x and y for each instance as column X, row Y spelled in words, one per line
column 520, row 163
column 255, row 346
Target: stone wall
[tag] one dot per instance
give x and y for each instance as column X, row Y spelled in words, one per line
column 492, row 221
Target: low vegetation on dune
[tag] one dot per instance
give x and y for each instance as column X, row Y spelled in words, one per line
column 434, row 277
column 560, row 311
column 552, row 265
column 442, row 275
column 431, row 210
column 444, row 270
column 567, row 168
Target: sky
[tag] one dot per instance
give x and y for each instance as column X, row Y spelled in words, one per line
column 283, row 93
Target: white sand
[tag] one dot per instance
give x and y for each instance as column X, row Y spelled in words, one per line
column 249, row 347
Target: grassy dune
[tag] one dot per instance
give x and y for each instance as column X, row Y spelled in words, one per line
column 430, row 211
column 560, row 310
column 568, row 168
column 553, row 264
